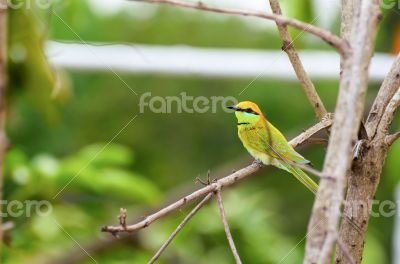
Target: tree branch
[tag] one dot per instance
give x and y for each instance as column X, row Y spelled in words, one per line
column 388, row 114
column 345, row 251
column 347, row 13
column 325, row 122
column 348, row 113
column 298, row 67
column 317, row 141
column 180, row 227
column 350, row 9
column 226, row 227
column 325, row 253
column 387, row 90
column 333, row 40
column 363, row 182
column 224, row 182
column 390, row 139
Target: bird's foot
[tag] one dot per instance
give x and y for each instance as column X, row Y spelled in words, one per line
column 258, row 162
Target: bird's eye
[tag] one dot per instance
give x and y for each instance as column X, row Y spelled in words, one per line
column 250, row 111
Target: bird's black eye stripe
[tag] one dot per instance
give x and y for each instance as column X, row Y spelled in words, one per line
column 249, row 110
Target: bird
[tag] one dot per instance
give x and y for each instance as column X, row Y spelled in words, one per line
column 267, row 144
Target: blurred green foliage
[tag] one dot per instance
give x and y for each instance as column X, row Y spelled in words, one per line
column 74, row 144
column 31, row 77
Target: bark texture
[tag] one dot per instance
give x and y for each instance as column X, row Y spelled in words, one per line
column 325, row 217
column 363, row 182
column 366, row 170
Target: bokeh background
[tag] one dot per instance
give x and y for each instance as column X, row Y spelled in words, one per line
column 68, row 124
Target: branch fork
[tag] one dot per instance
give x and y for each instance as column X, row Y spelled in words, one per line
column 359, row 28
column 214, row 186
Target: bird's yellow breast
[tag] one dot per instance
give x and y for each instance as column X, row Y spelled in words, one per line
column 254, row 138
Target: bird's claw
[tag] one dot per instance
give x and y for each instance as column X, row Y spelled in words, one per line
column 258, row 162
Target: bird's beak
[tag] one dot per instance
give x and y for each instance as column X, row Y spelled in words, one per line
column 233, row 107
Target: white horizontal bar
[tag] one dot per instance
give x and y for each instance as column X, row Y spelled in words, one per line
column 208, row 62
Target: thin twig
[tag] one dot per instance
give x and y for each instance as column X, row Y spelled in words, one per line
column 389, row 113
column 224, row 182
column 390, row 85
column 308, row 169
column 298, row 67
column 333, row 40
column 390, row 139
column 180, row 227
column 326, row 122
column 317, row 141
column 226, row 227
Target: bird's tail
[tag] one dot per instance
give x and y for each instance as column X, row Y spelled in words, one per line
column 312, row 186
column 304, row 179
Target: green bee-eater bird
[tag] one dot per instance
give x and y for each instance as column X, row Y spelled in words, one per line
column 267, row 144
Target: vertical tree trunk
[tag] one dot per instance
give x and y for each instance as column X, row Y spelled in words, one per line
column 324, row 221
column 366, row 170
column 363, row 182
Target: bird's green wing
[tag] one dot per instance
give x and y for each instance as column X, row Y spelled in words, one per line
column 278, row 147
column 283, row 153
